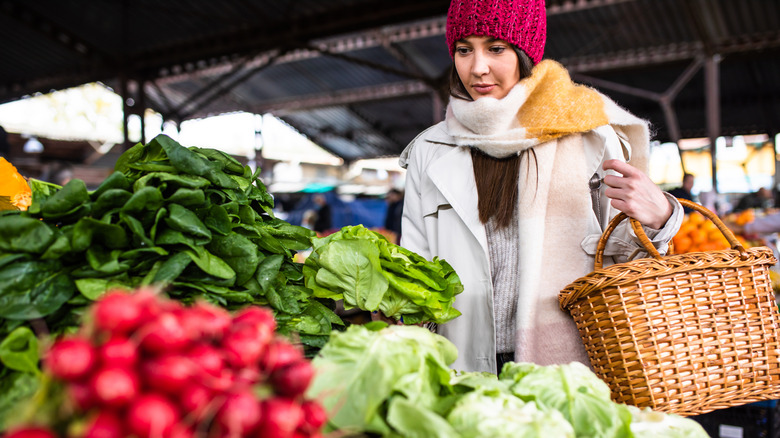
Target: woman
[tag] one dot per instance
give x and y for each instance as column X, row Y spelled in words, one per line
column 514, row 187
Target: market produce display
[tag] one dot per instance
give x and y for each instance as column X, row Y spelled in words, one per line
column 395, row 381
column 143, row 366
column 697, row 233
column 15, row 193
column 369, row 272
column 193, row 220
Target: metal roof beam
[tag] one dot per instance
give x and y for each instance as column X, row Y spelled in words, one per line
column 343, row 97
column 20, row 13
column 302, row 28
column 222, row 88
column 569, row 6
column 377, row 129
column 668, row 53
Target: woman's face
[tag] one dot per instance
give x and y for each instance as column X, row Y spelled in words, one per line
column 486, row 66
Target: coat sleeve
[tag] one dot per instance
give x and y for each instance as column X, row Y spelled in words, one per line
column 623, row 244
column 413, row 232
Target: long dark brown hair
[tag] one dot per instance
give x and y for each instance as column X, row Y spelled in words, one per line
column 496, row 178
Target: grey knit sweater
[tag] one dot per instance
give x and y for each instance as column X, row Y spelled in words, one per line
column 504, row 266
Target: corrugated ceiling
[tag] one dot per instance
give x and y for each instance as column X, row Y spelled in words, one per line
column 362, row 77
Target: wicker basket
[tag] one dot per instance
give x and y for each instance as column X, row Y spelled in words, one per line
column 684, row 334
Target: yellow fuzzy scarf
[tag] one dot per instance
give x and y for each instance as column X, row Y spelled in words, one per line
column 556, row 106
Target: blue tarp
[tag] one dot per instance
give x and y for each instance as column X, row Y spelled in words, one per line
column 367, row 212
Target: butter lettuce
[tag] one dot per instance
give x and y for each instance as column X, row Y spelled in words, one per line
column 492, row 413
column 384, row 381
column 576, row 392
column 395, row 381
column 584, row 400
column 646, row 423
column 369, row 272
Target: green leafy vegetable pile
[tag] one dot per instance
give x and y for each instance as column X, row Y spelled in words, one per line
column 367, row 271
column 395, row 381
column 194, row 219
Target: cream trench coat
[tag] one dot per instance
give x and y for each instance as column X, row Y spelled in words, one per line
column 440, row 218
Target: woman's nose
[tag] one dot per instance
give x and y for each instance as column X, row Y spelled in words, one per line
column 480, row 66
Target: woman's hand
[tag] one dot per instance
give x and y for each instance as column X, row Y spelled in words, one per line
column 636, row 195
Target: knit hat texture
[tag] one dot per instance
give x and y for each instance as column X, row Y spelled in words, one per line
column 520, row 22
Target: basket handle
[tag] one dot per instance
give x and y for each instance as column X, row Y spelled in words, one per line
column 645, row 241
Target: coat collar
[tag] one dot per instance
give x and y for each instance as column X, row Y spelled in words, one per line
column 452, row 175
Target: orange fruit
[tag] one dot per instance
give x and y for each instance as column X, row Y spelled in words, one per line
column 13, row 186
column 682, row 244
column 696, row 218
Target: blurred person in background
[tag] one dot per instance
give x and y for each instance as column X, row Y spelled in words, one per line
column 761, row 199
column 323, row 222
column 684, row 191
column 395, row 210
column 5, row 147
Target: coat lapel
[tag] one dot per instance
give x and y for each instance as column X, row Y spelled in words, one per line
column 459, row 188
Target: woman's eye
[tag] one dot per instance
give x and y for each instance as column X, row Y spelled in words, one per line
column 462, row 50
column 497, row 49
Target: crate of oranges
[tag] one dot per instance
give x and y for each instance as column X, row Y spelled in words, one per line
column 697, row 233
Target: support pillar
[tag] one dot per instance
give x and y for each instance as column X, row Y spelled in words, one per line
column 123, row 93
column 712, row 101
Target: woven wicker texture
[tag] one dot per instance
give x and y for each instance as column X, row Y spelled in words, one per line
column 684, row 334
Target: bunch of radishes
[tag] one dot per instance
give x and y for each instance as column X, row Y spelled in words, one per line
column 151, row 367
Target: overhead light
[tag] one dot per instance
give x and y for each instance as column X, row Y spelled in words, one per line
column 33, row 146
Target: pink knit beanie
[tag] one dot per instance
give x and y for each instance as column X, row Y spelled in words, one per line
column 520, row 22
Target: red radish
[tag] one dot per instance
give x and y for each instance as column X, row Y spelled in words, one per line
column 181, row 431
column 281, row 417
column 313, row 418
column 151, row 415
column 168, row 373
column 70, row 358
column 114, row 386
column 105, row 424
column 118, row 312
column 248, row 376
column 30, row 432
column 243, row 345
column 118, row 351
column 206, row 359
column 279, row 353
column 205, row 320
column 225, row 381
column 194, row 399
column 80, row 393
column 256, row 315
column 240, row 414
column 164, row 334
column 293, row 379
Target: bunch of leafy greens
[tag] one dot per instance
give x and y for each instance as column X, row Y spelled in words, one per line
column 367, row 271
column 394, row 381
column 194, row 220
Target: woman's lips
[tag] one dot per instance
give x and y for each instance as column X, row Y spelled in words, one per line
column 483, row 88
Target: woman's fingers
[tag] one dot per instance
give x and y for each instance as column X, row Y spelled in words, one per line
column 633, row 193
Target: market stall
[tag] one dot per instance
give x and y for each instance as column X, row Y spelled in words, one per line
column 168, row 302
